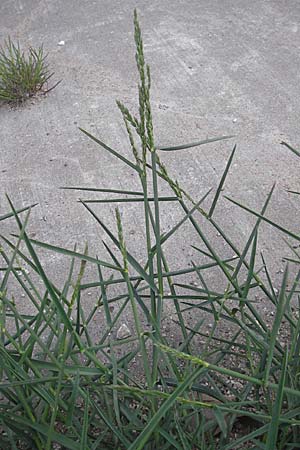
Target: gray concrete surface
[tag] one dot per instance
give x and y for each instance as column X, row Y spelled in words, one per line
column 218, row 67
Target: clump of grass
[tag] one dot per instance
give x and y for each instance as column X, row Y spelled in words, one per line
column 63, row 388
column 23, row 75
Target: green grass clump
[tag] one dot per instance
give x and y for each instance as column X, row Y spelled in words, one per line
column 22, row 75
column 63, row 386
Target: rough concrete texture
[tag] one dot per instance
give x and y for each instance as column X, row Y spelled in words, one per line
column 218, row 67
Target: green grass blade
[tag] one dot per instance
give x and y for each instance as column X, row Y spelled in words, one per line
column 111, row 151
column 265, row 219
column 221, row 184
column 252, row 235
column 18, row 211
column 293, row 192
column 72, row 400
column 276, row 325
column 193, row 144
column 248, row 437
column 297, row 152
column 110, row 191
column 273, row 431
column 54, row 413
column 85, row 425
column 129, row 200
column 72, row 253
column 221, row 421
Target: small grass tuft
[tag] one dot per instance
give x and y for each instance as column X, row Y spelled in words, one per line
column 23, row 75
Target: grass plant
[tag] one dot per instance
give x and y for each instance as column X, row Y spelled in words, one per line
column 62, row 388
column 23, row 75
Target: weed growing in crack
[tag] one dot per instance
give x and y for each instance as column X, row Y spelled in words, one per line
column 23, row 75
